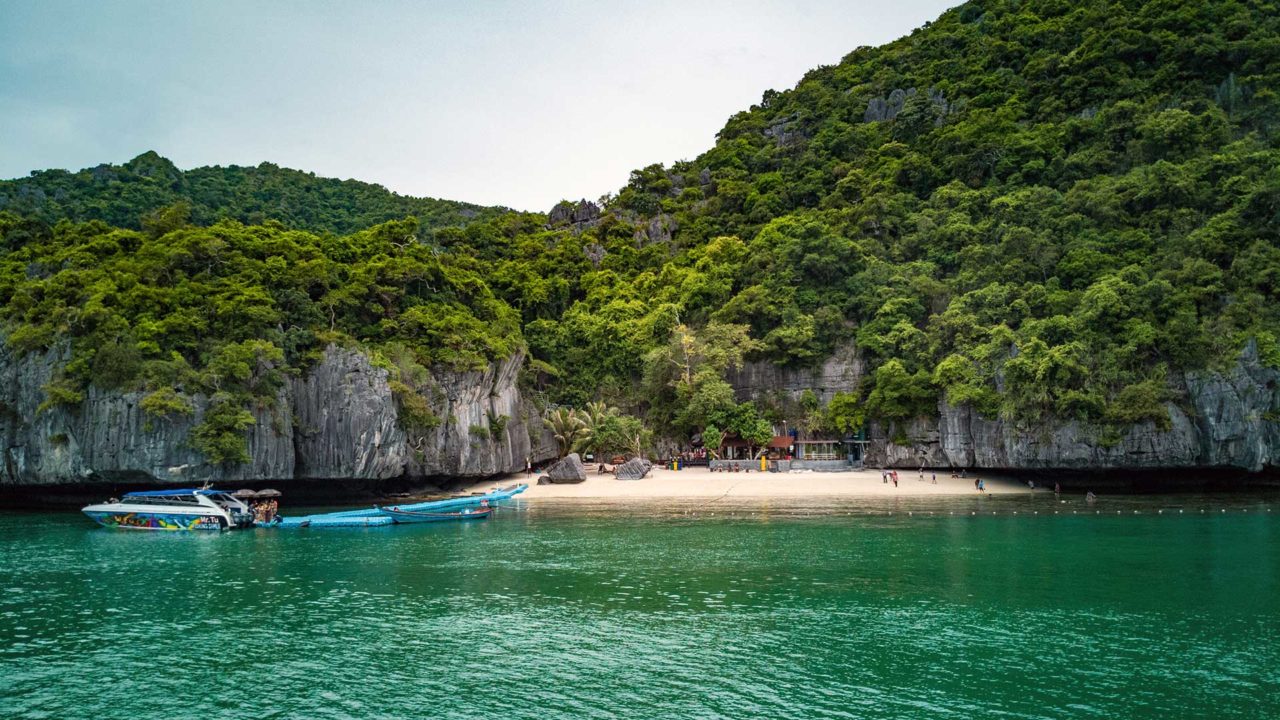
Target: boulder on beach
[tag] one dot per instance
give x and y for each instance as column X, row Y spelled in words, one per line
column 633, row 469
column 568, row 470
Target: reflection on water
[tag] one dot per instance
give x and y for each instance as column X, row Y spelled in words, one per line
column 914, row 607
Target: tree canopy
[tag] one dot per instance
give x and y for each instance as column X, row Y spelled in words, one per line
column 1038, row 209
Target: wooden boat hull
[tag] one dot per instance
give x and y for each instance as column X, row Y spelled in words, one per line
column 411, row 516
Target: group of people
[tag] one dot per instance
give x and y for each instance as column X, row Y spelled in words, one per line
column 731, row 468
column 264, row 511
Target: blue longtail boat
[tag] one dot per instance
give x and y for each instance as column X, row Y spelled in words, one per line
column 414, row 516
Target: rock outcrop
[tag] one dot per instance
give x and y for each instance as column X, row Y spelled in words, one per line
column 338, row 423
column 881, row 109
column 568, row 470
column 766, row 381
column 633, row 469
column 1228, row 419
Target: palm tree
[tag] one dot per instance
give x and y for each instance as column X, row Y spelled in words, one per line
column 567, row 426
column 593, row 420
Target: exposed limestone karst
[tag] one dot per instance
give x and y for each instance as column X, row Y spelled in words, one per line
column 339, row 422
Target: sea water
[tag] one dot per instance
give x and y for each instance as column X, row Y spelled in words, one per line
column 979, row 607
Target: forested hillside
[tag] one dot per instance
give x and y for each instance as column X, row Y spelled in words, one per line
column 124, row 195
column 1040, row 209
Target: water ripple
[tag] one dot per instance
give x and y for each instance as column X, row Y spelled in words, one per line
column 576, row 613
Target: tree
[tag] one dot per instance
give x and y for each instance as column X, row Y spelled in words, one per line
column 568, row 428
column 845, row 413
column 712, row 440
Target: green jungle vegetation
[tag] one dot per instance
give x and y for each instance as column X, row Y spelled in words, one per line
column 1041, row 210
column 121, row 195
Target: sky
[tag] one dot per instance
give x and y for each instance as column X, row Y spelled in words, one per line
column 519, row 104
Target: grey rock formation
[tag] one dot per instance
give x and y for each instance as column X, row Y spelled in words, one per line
column 659, row 229
column 766, row 381
column 595, row 252
column 339, row 423
column 1230, row 419
column 109, row 438
column 785, row 130
column 881, row 109
column 582, row 214
column 346, row 421
column 569, row 470
column 633, row 469
column 479, row 399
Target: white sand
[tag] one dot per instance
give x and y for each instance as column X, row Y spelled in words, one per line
column 702, row 483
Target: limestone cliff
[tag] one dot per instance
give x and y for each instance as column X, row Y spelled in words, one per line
column 1222, row 419
column 338, row 423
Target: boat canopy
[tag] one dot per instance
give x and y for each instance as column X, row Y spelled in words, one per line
column 174, row 493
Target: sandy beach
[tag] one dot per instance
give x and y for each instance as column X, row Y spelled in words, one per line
column 702, row 483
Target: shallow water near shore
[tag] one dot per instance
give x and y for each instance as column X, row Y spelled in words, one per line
column 1025, row 607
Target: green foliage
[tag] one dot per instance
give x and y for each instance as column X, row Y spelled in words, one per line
column 235, row 310
column 221, row 434
column 151, row 194
column 713, row 440
column 1072, row 203
column 899, row 395
column 498, row 425
column 620, row 434
column 845, row 414
column 60, row 391
column 165, row 402
column 567, row 427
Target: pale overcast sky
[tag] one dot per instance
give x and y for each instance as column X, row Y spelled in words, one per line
column 500, row 103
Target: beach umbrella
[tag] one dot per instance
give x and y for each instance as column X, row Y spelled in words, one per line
column 245, row 493
column 269, row 493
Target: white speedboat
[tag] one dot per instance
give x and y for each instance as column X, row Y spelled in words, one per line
column 203, row 509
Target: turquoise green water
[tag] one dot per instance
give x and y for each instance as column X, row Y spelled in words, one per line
column 583, row 612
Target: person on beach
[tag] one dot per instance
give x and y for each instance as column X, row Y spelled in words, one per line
column 975, row 484
column 895, row 478
column 982, row 486
column 528, row 465
column 934, row 475
column 1057, row 489
column 1090, row 497
column 921, row 473
column 884, row 476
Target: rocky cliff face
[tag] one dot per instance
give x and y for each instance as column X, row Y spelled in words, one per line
column 338, row 423
column 1228, row 419
column 1225, row 419
column 766, row 381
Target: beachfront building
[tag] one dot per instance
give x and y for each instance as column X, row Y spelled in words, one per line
column 821, row 448
column 800, row 450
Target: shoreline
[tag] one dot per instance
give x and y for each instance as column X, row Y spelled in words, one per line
column 701, row 483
